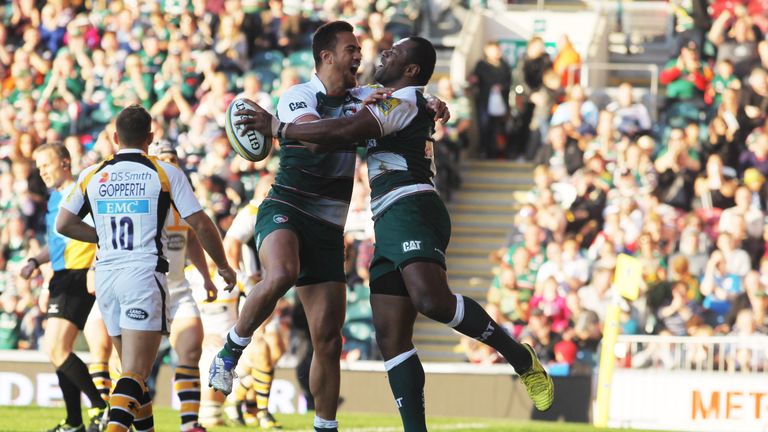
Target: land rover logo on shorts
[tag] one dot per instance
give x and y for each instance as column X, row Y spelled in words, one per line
column 137, row 314
column 280, row 219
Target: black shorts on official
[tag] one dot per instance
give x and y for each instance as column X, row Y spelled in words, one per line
column 69, row 298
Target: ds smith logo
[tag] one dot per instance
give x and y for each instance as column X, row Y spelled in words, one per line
column 411, row 245
column 104, row 177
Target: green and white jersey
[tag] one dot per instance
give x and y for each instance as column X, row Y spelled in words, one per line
column 319, row 185
column 401, row 162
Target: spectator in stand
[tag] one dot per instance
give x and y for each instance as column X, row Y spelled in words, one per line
column 630, row 118
column 754, row 95
column 585, row 215
column 562, row 154
column 10, row 320
column 567, row 62
column 578, row 115
column 753, row 298
column 756, row 155
column 755, row 182
column 540, row 335
column 716, row 187
column 544, row 101
column 551, row 302
column 751, row 217
column 736, row 38
column 719, row 288
column 508, row 304
column 685, row 77
column 675, row 315
column 528, row 80
column 724, row 79
column 690, row 250
column 491, row 79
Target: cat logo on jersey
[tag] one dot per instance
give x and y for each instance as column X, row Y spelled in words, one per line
column 387, row 105
column 280, row 219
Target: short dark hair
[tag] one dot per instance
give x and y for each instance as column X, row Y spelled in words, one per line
column 133, row 125
column 423, row 54
column 325, row 37
column 57, row 148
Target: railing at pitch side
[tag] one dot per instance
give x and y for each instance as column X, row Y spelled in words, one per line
column 725, row 354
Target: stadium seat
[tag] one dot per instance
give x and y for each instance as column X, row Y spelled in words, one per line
column 300, row 59
column 272, row 60
column 360, row 310
column 266, row 76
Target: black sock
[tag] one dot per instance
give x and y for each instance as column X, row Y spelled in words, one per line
column 477, row 324
column 71, row 395
column 407, row 382
column 77, row 372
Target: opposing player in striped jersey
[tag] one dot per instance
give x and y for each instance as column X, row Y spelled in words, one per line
column 186, row 327
column 412, row 226
column 130, row 196
column 257, row 368
column 69, row 301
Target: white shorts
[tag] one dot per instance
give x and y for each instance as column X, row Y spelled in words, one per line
column 218, row 317
column 183, row 305
column 133, row 299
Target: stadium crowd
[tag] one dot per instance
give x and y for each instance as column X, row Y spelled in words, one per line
column 68, row 67
column 685, row 191
column 685, row 194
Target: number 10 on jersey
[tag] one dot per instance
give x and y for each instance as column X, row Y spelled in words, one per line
column 122, row 232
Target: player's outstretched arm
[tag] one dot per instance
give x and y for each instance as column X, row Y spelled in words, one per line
column 196, row 255
column 325, row 132
column 210, row 239
column 70, row 225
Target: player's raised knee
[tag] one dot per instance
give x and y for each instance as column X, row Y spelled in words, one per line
column 434, row 308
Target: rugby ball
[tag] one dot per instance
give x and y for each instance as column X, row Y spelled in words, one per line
column 252, row 146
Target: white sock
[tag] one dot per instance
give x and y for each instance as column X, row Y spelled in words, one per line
column 237, row 339
column 458, row 316
column 325, row 424
column 398, row 359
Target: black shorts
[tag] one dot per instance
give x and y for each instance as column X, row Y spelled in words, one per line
column 69, row 298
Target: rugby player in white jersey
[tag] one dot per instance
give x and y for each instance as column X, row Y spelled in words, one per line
column 186, row 326
column 130, row 196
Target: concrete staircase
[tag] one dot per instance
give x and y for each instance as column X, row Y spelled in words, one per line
column 481, row 215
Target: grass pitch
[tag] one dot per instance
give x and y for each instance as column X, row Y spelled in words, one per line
column 34, row 419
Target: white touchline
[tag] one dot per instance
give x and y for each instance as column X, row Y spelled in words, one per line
column 458, row 426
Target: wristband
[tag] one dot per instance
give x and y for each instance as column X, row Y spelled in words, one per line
column 280, row 130
column 34, row 261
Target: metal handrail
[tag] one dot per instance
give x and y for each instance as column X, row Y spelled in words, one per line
column 685, row 352
column 652, row 69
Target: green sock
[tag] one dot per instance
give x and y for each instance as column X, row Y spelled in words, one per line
column 232, row 349
column 407, row 382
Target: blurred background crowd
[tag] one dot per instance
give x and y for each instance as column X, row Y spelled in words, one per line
column 67, row 67
column 682, row 190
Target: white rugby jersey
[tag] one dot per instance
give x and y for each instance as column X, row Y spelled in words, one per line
column 129, row 196
column 243, row 229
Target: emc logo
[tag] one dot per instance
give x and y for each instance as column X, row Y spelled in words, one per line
column 411, row 245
